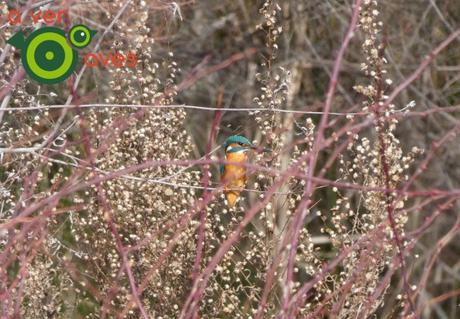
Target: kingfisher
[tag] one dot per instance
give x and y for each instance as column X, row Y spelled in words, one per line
column 234, row 176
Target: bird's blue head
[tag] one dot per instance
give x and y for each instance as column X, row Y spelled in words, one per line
column 237, row 143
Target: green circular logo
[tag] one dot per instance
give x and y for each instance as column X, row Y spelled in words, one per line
column 80, row 36
column 48, row 58
column 46, row 55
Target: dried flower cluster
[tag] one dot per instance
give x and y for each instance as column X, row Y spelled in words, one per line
column 80, row 250
column 378, row 162
column 105, row 213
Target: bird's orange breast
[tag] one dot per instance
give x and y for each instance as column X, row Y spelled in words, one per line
column 234, row 177
column 235, row 172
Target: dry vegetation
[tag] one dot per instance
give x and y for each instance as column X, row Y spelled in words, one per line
column 110, row 201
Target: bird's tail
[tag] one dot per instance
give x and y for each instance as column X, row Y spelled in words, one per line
column 232, row 196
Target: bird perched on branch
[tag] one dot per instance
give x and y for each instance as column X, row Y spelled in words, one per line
column 234, row 176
